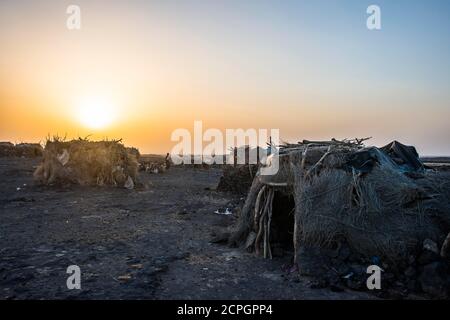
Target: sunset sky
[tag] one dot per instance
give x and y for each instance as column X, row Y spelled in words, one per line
column 309, row 68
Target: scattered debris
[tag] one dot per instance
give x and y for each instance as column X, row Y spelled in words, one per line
column 152, row 167
column 124, row 278
column 224, row 212
column 154, row 164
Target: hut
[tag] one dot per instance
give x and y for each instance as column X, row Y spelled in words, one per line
column 87, row 162
column 380, row 202
column 25, row 150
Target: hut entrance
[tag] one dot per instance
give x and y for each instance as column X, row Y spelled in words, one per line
column 282, row 226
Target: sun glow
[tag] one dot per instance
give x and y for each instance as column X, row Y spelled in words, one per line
column 96, row 112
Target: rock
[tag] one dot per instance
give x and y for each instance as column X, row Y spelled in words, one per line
column 434, row 280
column 430, row 245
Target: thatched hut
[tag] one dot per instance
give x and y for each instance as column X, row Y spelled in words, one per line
column 379, row 201
column 26, row 150
column 87, row 163
column 237, row 177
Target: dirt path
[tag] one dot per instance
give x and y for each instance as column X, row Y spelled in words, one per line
column 157, row 240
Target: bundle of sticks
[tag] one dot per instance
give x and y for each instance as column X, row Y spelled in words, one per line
column 262, row 221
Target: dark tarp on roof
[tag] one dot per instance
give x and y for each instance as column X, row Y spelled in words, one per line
column 403, row 155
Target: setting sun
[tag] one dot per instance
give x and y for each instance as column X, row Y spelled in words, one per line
column 96, row 112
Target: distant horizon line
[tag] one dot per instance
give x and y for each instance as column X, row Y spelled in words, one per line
column 164, row 153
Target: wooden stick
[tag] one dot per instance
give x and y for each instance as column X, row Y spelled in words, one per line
column 257, row 207
column 295, row 240
column 305, row 152
column 265, row 237
column 266, row 224
column 276, row 184
column 319, row 162
column 269, row 222
column 261, row 227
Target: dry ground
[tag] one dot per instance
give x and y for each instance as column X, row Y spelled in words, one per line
column 157, row 237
